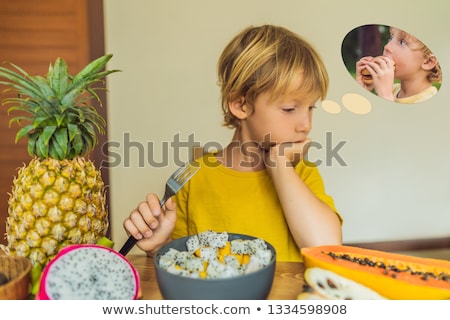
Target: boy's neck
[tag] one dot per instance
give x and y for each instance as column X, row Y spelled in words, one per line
column 242, row 156
column 412, row 87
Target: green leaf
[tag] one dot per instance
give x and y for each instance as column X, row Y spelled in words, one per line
column 88, row 130
column 77, row 144
column 59, row 120
column 19, row 82
column 56, row 151
column 69, row 98
column 32, row 144
column 61, row 139
column 73, row 131
column 58, row 106
column 60, row 78
column 19, row 120
column 47, row 134
column 24, row 132
column 94, row 119
column 94, row 94
column 40, row 122
column 41, row 148
column 93, row 67
column 89, row 140
column 28, row 108
column 47, row 92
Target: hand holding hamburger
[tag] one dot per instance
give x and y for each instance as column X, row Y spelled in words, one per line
column 366, row 76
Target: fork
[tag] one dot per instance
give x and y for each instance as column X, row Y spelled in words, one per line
column 175, row 182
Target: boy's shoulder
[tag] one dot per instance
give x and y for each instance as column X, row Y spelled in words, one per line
column 306, row 164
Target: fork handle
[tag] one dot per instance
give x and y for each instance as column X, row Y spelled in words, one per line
column 128, row 246
column 131, row 240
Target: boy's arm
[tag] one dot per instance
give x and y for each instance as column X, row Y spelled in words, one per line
column 311, row 221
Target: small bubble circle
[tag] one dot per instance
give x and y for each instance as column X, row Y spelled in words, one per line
column 356, row 103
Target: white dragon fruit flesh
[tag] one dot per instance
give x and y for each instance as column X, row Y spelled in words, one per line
column 88, row 272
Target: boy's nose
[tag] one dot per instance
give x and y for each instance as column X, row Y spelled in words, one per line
column 303, row 124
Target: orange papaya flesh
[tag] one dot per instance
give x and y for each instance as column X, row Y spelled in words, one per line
column 394, row 276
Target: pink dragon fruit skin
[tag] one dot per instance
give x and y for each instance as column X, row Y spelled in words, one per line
column 107, row 276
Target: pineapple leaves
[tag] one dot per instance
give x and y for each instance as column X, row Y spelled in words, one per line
column 61, row 140
column 21, row 83
column 55, row 151
column 61, row 122
column 47, row 134
column 32, row 143
column 58, row 77
column 24, row 132
column 73, row 131
column 47, row 92
column 41, row 149
column 69, row 99
column 90, row 70
column 77, row 146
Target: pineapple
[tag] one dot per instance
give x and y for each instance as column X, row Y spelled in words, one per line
column 59, row 197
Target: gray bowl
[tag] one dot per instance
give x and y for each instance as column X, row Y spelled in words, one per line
column 252, row 286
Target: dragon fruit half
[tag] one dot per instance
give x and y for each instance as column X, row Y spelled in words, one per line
column 88, row 271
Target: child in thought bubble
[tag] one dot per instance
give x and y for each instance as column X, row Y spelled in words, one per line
column 406, row 59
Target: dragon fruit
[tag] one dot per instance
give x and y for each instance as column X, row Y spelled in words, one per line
column 88, row 272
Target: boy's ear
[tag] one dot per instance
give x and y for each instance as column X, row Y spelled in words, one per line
column 239, row 108
column 429, row 63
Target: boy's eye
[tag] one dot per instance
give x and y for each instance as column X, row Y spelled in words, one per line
column 288, row 109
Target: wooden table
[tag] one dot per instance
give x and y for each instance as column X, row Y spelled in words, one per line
column 287, row 283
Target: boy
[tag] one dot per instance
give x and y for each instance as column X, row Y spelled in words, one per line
column 408, row 60
column 260, row 183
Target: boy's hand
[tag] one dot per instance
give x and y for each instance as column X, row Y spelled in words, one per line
column 381, row 69
column 287, row 154
column 361, row 66
column 150, row 224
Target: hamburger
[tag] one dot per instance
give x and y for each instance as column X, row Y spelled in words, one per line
column 367, row 77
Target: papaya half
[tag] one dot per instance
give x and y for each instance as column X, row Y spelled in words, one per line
column 394, row 276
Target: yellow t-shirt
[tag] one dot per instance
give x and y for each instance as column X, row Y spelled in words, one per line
column 420, row 97
column 221, row 199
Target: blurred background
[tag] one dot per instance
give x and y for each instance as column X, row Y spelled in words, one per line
column 366, row 40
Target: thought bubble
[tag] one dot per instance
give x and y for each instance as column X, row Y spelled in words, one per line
column 331, row 106
column 387, row 59
column 356, row 103
column 353, row 102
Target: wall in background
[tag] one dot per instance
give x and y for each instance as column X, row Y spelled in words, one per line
column 392, row 182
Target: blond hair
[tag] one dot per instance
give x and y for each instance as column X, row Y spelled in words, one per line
column 435, row 74
column 268, row 58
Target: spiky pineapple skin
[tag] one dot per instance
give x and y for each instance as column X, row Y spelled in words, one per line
column 55, row 203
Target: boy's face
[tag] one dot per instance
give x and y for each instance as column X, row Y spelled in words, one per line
column 285, row 119
column 407, row 53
